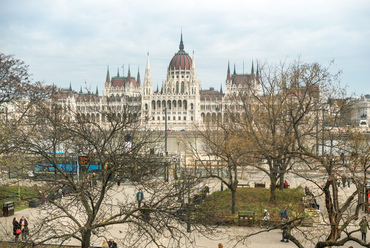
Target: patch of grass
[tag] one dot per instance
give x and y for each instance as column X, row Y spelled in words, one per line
column 11, row 194
column 255, row 199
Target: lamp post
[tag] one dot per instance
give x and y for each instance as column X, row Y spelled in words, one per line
column 322, row 135
column 217, row 110
column 165, row 143
column 188, row 226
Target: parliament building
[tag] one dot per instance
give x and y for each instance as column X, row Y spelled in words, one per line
column 181, row 97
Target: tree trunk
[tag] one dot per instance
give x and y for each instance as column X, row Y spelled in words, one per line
column 273, row 190
column 233, row 200
column 86, row 236
column 281, row 186
column 19, row 187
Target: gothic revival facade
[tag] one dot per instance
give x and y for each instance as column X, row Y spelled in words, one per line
column 181, row 97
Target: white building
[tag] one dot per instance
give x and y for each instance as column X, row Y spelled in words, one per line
column 181, row 96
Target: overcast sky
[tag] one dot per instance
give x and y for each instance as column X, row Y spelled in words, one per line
column 73, row 41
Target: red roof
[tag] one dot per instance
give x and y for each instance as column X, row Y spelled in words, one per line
column 122, row 81
column 181, row 61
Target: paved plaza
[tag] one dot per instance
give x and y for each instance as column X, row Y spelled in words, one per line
column 225, row 236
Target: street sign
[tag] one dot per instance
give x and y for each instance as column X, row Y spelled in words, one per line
column 174, row 159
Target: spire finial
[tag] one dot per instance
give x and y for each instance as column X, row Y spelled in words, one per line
column 181, row 42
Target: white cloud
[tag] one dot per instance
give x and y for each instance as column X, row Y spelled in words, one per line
column 74, row 41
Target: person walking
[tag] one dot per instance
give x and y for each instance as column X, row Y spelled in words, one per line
column 111, row 243
column 364, row 225
column 285, row 228
column 344, row 180
column 266, row 219
column 284, row 214
column 349, row 179
column 220, row 245
column 24, row 228
column 16, row 229
column 139, row 197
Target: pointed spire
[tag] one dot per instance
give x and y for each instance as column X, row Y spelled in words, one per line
column 221, row 89
column 107, row 79
column 81, row 90
column 138, row 81
column 258, row 73
column 118, row 72
column 193, row 62
column 129, row 75
column 252, row 71
column 228, row 71
column 70, row 86
column 148, row 75
column 234, row 70
column 181, row 46
column 157, row 89
column 97, row 91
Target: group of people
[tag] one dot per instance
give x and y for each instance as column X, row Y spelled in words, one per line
column 110, row 244
column 345, row 179
column 20, row 228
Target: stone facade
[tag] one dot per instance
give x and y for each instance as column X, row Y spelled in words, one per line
column 181, row 97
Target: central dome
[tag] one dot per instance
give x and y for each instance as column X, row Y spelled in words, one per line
column 181, row 60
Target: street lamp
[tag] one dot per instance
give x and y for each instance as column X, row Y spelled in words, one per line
column 188, row 226
column 217, row 110
column 165, row 144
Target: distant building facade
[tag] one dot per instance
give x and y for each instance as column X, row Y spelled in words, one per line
column 181, row 97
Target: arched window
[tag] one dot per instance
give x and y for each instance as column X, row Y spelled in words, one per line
column 177, row 87
column 182, row 87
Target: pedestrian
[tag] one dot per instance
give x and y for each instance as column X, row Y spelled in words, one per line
column 116, row 176
column 266, row 219
column 220, row 245
column 286, row 185
column 89, row 179
column 94, row 179
column 105, row 244
column 111, row 243
column 344, row 179
column 349, row 179
column 24, row 228
column 139, row 197
column 16, row 229
column 285, row 228
column 364, row 225
column 146, row 213
column 338, row 180
column 284, row 214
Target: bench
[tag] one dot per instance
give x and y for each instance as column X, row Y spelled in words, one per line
column 243, row 185
column 260, row 185
column 220, row 219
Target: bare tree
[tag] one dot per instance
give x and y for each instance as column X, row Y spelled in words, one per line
column 108, row 151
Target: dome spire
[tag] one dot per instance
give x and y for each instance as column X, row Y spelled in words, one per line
column 228, row 71
column 181, row 43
